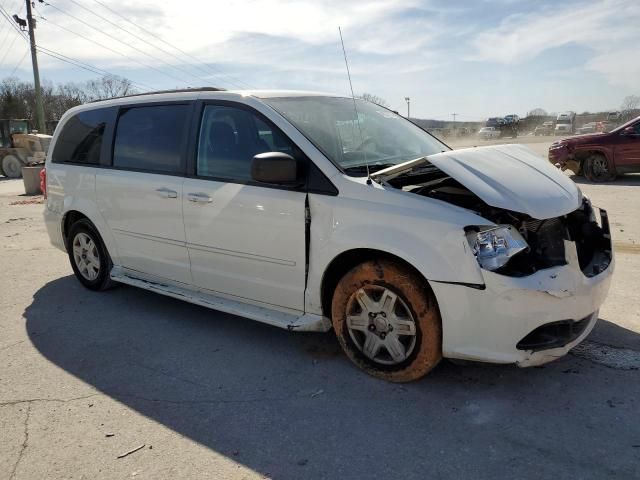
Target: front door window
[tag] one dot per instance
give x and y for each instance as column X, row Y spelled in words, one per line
column 229, row 139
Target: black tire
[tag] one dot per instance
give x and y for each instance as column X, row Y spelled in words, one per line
column 85, row 267
column 12, row 166
column 596, row 169
column 412, row 321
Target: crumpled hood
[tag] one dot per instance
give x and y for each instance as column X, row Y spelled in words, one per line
column 505, row 176
column 512, row 177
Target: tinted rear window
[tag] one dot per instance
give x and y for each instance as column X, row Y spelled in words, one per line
column 151, row 138
column 81, row 138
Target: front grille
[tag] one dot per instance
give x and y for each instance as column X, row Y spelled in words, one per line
column 553, row 335
column 546, row 239
column 546, row 247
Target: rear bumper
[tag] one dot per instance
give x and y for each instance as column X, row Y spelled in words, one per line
column 53, row 223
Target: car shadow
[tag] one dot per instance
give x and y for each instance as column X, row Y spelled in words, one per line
column 290, row 405
column 624, row 180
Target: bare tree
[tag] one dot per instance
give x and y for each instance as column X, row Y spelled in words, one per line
column 629, row 106
column 109, row 86
column 369, row 97
column 537, row 112
column 17, row 98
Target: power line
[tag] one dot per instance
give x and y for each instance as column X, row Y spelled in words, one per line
column 14, row 27
column 157, row 37
column 19, row 63
column 70, row 60
column 91, row 69
column 87, row 66
column 13, row 7
column 6, row 15
column 123, row 43
column 99, row 44
column 8, row 49
column 181, row 71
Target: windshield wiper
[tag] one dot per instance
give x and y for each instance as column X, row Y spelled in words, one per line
column 362, row 168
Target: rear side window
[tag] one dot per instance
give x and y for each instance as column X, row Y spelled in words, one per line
column 151, row 138
column 81, row 138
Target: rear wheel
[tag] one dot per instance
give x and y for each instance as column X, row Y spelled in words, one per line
column 11, row 166
column 596, row 168
column 89, row 258
column 387, row 321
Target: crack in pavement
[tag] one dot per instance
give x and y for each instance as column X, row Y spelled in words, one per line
column 29, row 401
column 220, row 401
column 170, row 375
column 6, row 347
column 23, row 447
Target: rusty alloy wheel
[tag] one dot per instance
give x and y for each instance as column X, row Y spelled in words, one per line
column 387, row 321
column 381, row 325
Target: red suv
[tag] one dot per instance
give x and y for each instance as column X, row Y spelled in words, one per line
column 600, row 156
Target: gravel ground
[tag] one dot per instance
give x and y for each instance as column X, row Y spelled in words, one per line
column 88, row 377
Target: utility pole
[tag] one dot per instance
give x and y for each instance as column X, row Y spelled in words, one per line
column 454, row 122
column 408, row 100
column 36, row 74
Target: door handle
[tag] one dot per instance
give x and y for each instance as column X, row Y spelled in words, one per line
column 165, row 192
column 199, row 198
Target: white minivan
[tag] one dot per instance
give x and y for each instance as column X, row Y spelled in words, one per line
column 310, row 211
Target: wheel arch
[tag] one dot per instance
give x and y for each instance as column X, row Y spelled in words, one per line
column 348, row 259
column 581, row 154
column 68, row 219
column 75, row 212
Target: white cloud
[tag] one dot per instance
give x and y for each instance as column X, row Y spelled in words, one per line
column 521, row 37
column 620, row 68
column 395, row 47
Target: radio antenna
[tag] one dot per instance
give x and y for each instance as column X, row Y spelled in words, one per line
column 355, row 107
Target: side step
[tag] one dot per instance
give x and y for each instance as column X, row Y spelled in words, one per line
column 301, row 323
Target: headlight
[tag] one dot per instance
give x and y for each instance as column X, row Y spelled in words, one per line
column 494, row 247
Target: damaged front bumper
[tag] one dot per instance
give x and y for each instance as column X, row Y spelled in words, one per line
column 511, row 318
column 561, row 156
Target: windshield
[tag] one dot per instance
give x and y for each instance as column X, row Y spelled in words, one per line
column 377, row 136
column 563, row 121
column 19, row 126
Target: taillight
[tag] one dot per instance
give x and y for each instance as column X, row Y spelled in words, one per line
column 43, row 182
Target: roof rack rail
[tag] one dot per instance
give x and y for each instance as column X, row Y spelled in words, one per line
column 177, row 90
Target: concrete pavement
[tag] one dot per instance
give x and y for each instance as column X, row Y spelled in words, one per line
column 88, row 376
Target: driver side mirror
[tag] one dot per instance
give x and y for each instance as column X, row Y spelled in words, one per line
column 276, row 168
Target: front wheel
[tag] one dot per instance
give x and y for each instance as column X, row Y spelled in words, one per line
column 596, row 169
column 89, row 257
column 387, row 321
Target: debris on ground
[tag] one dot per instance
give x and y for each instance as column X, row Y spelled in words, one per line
column 133, row 450
column 31, row 201
column 315, row 394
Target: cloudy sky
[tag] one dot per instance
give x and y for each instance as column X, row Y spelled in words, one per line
column 477, row 58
